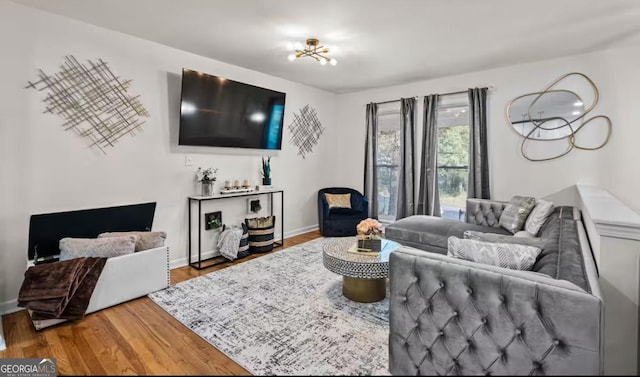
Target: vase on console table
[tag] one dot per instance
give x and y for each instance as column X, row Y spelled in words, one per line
column 266, row 181
column 207, row 188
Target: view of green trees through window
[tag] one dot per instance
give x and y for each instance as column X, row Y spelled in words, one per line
column 453, row 170
column 453, row 160
column 387, row 165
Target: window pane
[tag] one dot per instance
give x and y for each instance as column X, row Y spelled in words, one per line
column 453, row 160
column 387, row 166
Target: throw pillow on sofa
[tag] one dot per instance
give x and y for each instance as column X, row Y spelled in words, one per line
column 538, row 216
column 513, row 256
column 146, row 240
column 338, row 200
column 501, row 238
column 71, row 248
column 516, row 212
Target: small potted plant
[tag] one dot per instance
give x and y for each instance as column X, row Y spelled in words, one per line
column 206, row 177
column 369, row 235
column 266, row 171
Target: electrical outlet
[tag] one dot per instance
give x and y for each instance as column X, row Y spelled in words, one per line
column 188, row 160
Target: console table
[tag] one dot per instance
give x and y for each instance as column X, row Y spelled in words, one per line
column 199, row 199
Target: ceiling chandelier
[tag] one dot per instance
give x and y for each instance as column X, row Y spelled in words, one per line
column 314, row 50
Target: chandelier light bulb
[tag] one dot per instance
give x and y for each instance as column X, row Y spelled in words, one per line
column 333, row 61
column 298, row 46
column 290, row 46
column 291, row 57
column 323, row 61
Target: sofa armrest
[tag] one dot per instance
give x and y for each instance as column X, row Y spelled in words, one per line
column 484, row 212
column 450, row 316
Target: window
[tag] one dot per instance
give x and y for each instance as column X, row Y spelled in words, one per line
column 453, row 156
column 388, row 160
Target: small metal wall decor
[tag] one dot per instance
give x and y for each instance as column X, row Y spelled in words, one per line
column 305, row 130
column 92, row 100
column 556, row 114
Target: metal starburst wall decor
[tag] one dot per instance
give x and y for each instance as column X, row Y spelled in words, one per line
column 92, row 100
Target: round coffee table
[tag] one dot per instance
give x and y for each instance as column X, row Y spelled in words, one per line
column 364, row 276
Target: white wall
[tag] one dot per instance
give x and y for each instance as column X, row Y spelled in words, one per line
column 45, row 169
column 614, row 168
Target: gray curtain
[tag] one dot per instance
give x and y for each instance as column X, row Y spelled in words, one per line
column 478, row 158
column 428, row 198
column 370, row 158
column 406, row 188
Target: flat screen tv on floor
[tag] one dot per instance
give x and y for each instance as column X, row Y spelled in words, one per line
column 219, row 112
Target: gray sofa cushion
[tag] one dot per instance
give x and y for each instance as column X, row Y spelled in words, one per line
column 502, row 238
column 561, row 256
column 431, row 233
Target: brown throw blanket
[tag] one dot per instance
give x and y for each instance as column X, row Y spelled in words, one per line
column 61, row 289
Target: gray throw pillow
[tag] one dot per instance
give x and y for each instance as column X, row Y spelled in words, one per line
column 516, row 212
column 538, row 216
column 71, row 248
column 146, row 240
column 513, row 256
column 501, row 238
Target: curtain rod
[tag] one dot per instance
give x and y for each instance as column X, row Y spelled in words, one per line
column 489, row 88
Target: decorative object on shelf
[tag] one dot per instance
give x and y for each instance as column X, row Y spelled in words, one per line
column 245, row 184
column 305, row 130
column 313, row 49
column 236, row 185
column 266, row 171
column 369, row 238
column 253, row 205
column 227, row 185
column 213, row 220
column 556, row 114
column 206, row 177
column 92, row 100
column 236, row 191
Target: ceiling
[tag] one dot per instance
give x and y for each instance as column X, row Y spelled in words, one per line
column 377, row 43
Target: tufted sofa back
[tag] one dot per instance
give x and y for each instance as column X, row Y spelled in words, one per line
column 450, row 316
column 484, row 212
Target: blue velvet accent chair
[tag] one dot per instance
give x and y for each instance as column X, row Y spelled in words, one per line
column 341, row 222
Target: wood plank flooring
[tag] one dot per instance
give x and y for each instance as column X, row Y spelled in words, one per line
column 133, row 338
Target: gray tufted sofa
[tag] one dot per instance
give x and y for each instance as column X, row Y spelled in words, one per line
column 450, row 316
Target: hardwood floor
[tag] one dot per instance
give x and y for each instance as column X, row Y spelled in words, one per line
column 136, row 337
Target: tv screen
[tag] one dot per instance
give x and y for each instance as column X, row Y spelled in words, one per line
column 219, row 112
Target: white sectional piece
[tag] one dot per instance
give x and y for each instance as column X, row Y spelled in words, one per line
column 125, row 278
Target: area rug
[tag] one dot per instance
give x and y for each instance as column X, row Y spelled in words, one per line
column 283, row 314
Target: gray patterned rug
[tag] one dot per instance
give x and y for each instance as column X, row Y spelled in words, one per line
column 283, row 314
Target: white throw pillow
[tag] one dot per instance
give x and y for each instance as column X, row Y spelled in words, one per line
column 513, row 256
column 538, row 216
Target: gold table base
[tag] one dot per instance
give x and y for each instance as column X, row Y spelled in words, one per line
column 364, row 290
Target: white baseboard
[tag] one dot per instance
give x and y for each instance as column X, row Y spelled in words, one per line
column 9, row 306
column 181, row 262
column 299, row 231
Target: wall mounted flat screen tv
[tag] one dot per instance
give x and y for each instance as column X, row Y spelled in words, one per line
column 219, row 112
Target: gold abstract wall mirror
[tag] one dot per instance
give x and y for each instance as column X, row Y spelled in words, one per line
column 555, row 120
